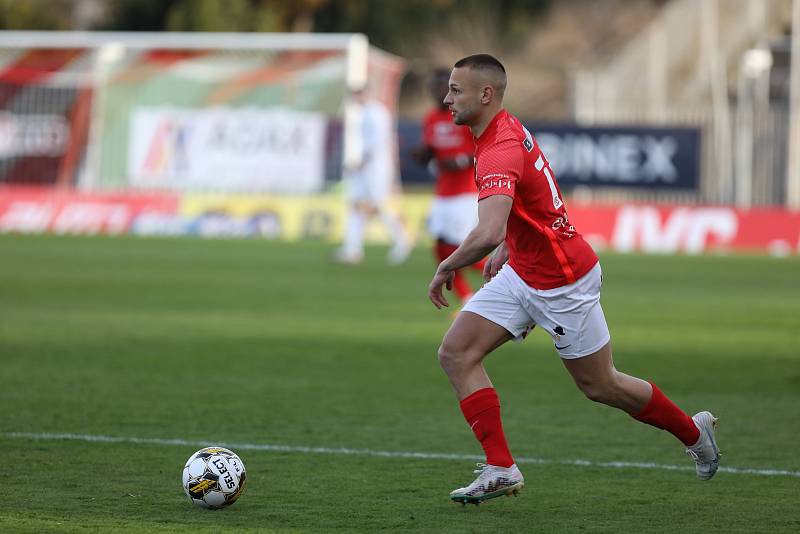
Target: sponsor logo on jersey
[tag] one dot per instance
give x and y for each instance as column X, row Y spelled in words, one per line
column 491, row 181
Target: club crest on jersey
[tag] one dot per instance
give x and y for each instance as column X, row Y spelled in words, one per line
column 528, row 142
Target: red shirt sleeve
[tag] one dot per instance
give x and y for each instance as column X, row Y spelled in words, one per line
column 499, row 168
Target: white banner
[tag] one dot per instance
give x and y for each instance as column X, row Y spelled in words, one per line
column 227, row 149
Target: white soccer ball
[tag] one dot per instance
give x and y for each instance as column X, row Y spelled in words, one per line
column 214, row 477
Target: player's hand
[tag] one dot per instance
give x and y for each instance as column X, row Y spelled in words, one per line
column 495, row 262
column 489, row 269
column 441, row 279
column 459, row 162
column 423, row 154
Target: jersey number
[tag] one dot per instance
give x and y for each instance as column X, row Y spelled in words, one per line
column 557, row 202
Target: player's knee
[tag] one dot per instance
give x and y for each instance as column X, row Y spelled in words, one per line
column 601, row 391
column 448, row 358
column 453, row 358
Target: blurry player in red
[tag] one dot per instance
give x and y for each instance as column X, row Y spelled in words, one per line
column 542, row 273
column 454, row 211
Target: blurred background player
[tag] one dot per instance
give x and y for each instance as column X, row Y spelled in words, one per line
column 371, row 181
column 449, row 149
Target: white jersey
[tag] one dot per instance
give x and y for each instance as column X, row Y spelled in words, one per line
column 373, row 180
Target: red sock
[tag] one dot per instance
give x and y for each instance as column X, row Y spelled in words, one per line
column 482, row 412
column 663, row 413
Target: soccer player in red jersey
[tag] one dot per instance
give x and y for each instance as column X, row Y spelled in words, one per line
column 454, row 211
column 542, row 273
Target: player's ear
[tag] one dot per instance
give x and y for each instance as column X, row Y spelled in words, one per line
column 487, row 94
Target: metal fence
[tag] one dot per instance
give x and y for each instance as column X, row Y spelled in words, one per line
column 723, row 67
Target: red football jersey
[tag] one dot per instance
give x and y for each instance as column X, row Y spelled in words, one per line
column 447, row 140
column 544, row 249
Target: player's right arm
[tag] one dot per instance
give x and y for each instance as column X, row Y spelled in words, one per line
column 485, row 237
column 497, row 176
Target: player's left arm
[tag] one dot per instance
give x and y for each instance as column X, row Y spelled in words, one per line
column 490, row 231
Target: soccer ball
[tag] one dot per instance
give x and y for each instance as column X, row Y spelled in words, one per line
column 213, row 477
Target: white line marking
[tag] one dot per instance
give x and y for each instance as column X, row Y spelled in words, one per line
column 383, row 454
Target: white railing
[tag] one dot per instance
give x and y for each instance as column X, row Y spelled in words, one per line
column 705, row 63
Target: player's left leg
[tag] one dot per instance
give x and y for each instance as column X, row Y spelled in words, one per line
column 596, row 376
column 600, row 381
column 575, row 318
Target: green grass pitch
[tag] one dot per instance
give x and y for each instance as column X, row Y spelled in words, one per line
column 266, row 343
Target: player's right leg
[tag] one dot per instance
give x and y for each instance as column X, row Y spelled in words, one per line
column 492, row 481
column 492, row 317
column 467, row 342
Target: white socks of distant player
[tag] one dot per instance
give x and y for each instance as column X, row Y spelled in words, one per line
column 354, row 233
column 395, row 228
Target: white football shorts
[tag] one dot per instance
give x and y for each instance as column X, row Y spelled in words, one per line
column 452, row 218
column 570, row 314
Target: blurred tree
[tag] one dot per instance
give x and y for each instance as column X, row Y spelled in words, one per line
column 214, row 15
column 400, row 27
column 211, row 15
column 137, row 15
column 35, row 14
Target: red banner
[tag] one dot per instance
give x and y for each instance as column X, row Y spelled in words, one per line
column 688, row 229
column 37, row 210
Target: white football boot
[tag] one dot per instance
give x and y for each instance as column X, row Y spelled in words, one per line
column 493, row 481
column 346, row 256
column 705, row 452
